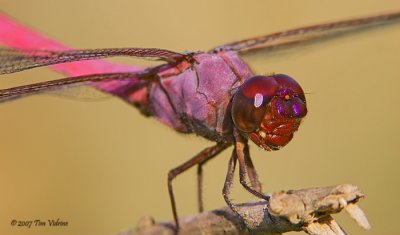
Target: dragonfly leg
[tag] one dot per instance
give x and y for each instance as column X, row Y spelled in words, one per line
column 200, row 183
column 251, row 171
column 246, row 166
column 228, row 181
column 201, row 157
column 200, row 187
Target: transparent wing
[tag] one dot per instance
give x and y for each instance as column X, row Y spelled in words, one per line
column 86, row 93
column 293, row 37
column 15, row 60
column 54, row 85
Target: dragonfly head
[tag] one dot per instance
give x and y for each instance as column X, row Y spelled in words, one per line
column 269, row 109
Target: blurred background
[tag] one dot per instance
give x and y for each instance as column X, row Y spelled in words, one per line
column 102, row 165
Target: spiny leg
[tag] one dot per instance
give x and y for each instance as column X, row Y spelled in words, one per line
column 239, row 148
column 200, row 187
column 200, row 183
column 240, row 145
column 228, row 181
column 251, row 171
column 201, row 157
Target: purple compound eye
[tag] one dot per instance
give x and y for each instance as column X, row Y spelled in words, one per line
column 249, row 103
column 290, row 102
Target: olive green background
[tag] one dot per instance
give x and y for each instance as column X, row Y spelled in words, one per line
column 101, row 165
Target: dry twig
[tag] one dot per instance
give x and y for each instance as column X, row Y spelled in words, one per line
column 306, row 210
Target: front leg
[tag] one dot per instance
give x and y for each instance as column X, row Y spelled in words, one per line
column 228, row 181
column 241, row 151
column 238, row 153
column 246, row 167
column 250, row 170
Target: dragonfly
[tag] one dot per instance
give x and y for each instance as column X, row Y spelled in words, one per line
column 213, row 94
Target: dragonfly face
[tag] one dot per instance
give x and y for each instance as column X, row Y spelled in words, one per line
column 269, row 109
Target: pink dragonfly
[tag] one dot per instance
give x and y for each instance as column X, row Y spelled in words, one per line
column 212, row 94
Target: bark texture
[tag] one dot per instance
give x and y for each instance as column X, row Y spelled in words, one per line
column 306, row 210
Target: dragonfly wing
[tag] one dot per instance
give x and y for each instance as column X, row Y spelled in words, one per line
column 16, row 35
column 130, row 80
column 24, row 39
column 294, row 37
column 80, row 93
column 14, row 60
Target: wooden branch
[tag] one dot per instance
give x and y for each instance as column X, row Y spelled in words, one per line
column 306, row 210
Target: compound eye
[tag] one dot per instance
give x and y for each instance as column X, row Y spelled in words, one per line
column 249, row 103
column 291, row 102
